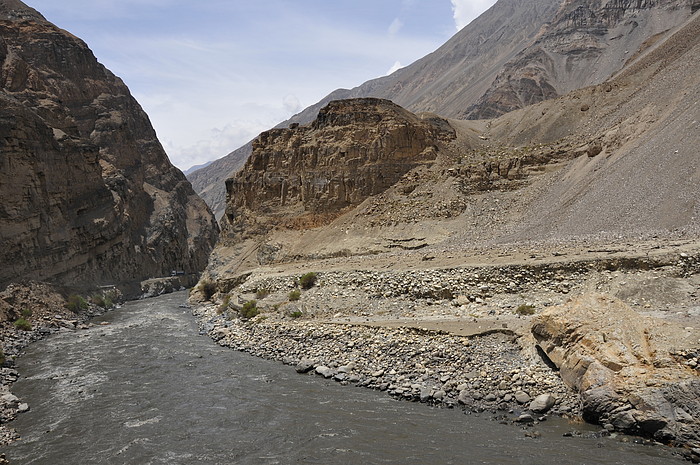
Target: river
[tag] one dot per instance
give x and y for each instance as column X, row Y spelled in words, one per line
column 143, row 386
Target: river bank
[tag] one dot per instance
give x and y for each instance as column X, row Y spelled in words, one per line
column 147, row 388
column 487, row 372
column 458, row 335
column 31, row 312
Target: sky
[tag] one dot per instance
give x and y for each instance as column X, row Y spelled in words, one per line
column 213, row 74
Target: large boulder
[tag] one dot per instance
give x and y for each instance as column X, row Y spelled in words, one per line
column 632, row 371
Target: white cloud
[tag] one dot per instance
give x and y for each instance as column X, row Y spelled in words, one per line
column 219, row 141
column 395, row 26
column 466, row 11
column 396, row 66
column 291, row 104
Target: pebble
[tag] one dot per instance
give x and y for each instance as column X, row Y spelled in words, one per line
column 522, row 397
column 543, row 403
column 305, row 366
column 324, row 371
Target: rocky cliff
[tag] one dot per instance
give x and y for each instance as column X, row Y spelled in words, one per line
column 307, row 176
column 585, row 43
column 88, row 194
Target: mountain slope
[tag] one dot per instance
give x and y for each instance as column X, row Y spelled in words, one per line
column 89, row 196
column 210, row 181
column 644, row 179
column 608, row 163
column 515, row 54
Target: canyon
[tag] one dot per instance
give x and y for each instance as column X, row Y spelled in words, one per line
column 510, row 224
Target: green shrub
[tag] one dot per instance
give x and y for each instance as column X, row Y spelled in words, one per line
column 208, row 288
column 308, row 280
column 296, row 314
column 249, row 310
column 76, row 303
column 525, row 309
column 111, row 297
column 23, row 324
column 294, row 295
column 262, row 293
column 26, row 312
column 98, row 300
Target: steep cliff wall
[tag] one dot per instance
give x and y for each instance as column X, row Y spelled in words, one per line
column 88, row 193
column 305, row 176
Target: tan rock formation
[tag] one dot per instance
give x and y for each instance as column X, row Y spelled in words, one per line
column 632, row 371
column 305, row 176
column 88, row 194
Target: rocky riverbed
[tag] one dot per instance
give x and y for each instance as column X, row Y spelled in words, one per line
column 479, row 373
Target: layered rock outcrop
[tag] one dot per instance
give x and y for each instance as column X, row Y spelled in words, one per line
column 89, row 196
column 635, row 373
column 305, row 176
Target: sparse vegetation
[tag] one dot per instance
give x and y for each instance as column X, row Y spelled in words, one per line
column 249, row 310
column 99, row 300
column 22, row 324
column 294, row 295
column 308, row 280
column 525, row 309
column 112, row 297
column 75, row 303
column 26, row 312
column 224, row 304
column 262, row 293
column 208, row 288
column 2, row 357
column 296, row 314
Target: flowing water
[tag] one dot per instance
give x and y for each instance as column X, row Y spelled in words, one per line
column 147, row 388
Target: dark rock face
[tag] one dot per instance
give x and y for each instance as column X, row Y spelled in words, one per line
column 305, row 176
column 88, row 193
